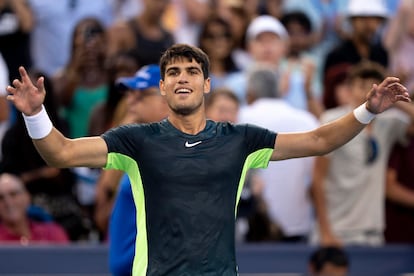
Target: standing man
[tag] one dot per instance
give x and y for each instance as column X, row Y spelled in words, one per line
column 349, row 183
column 186, row 201
column 286, row 183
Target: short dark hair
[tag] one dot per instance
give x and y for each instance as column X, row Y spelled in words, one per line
column 367, row 70
column 225, row 92
column 185, row 51
column 299, row 17
column 330, row 254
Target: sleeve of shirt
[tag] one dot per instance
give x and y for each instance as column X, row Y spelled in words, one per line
column 123, row 142
column 260, row 144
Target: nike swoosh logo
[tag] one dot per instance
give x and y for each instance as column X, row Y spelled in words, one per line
column 190, row 145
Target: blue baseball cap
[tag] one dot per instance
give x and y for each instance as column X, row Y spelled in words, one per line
column 146, row 77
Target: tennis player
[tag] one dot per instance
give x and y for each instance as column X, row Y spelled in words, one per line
column 186, row 171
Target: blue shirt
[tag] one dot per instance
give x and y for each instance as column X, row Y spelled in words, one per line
column 122, row 231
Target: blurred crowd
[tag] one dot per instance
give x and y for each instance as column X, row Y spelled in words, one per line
column 285, row 65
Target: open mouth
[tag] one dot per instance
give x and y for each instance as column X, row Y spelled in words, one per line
column 182, row 91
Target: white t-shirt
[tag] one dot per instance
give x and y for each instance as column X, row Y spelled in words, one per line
column 355, row 189
column 286, row 183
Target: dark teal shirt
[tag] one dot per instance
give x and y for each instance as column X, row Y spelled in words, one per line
column 186, row 189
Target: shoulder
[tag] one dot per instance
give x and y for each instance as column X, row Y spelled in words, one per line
column 134, row 128
column 51, row 230
column 131, row 134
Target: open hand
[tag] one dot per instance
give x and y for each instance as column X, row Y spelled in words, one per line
column 27, row 97
column 383, row 96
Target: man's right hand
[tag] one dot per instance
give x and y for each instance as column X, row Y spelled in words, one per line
column 27, row 97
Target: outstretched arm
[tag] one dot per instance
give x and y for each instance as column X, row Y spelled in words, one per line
column 56, row 149
column 332, row 135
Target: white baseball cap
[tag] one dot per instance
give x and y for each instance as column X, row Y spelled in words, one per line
column 367, row 8
column 266, row 23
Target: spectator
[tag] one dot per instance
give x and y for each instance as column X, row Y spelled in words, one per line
column 274, row 8
column 184, row 18
column 83, row 83
column 4, row 106
column 144, row 33
column 332, row 18
column 285, row 183
column 49, row 188
column 349, row 183
column 125, row 9
column 15, row 225
column 336, row 90
column 54, row 23
column 399, row 207
column 16, row 23
column 329, row 261
column 107, row 114
column 299, row 68
column 267, row 44
column 235, row 13
column 81, row 86
column 217, row 41
column 222, row 105
column 366, row 18
column 398, row 40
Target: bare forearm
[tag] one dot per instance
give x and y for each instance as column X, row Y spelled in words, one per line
column 52, row 149
column 318, row 142
column 396, row 192
column 337, row 133
column 320, row 209
column 318, row 194
column 395, row 29
column 24, row 14
column 4, row 109
column 59, row 151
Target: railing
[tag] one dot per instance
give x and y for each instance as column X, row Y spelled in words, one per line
column 254, row 259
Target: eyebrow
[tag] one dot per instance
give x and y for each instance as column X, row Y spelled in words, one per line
column 175, row 68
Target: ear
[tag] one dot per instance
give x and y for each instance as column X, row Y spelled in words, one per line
column 162, row 88
column 207, row 85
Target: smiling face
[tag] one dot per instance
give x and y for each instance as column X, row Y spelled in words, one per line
column 14, row 200
column 184, row 86
column 267, row 48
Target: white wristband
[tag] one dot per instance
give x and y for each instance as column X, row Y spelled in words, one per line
column 38, row 125
column 362, row 114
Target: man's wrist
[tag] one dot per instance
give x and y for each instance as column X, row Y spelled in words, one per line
column 363, row 115
column 39, row 125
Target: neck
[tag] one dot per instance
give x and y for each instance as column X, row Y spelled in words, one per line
column 21, row 229
column 362, row 47
column 189, row 124
column 217, row 67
